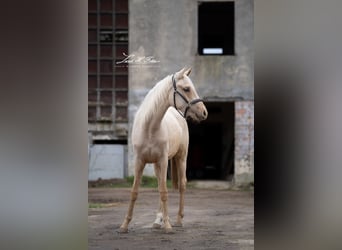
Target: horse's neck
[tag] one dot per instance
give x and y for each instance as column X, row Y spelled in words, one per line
column 156, row 104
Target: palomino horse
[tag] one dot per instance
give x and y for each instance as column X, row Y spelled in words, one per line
column 160, row 133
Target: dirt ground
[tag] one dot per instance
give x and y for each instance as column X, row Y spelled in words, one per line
column 213, row 219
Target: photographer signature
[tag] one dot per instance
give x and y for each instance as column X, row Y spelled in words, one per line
column 133, row 59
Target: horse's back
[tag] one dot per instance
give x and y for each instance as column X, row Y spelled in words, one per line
column 178, row 133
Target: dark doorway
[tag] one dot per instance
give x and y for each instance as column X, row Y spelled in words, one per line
column 211, row 147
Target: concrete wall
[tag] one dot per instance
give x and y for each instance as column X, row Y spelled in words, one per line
column 244, row 142
column 106, row 162
column 167, row 30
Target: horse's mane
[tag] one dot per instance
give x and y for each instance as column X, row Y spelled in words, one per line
column 154, row 98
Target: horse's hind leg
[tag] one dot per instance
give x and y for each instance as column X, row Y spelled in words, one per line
column 139, row 167
column 181, row 171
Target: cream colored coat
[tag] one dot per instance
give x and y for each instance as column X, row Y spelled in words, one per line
column 160, row 133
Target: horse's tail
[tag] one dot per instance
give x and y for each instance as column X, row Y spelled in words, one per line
column 174, row 174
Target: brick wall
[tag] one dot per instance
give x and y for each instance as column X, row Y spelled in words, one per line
column 244, row 142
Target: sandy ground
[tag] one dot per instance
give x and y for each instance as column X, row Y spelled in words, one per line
column 214, row 219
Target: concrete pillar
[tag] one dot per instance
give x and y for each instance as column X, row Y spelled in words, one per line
column 244, row 143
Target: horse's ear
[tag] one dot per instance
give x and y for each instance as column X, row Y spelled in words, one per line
column 180, row 74
column 188, row 71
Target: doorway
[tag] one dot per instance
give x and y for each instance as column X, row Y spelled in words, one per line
column 211, row 145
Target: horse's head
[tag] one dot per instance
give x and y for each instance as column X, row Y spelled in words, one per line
column 185, row 97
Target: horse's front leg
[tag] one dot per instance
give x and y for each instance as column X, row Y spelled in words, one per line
column 139, row 167
column 158, row 222
column 159, row 218
column 164, row 193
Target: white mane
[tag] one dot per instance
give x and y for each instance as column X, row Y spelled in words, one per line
column 157, row 96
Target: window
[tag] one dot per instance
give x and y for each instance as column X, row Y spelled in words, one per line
column 107, row 41
column 216, row 23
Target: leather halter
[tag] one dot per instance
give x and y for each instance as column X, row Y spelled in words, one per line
column 189, row 103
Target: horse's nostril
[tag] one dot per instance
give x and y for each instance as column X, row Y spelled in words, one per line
column 205, row 113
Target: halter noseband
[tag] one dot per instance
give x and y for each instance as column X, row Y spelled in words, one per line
column 175, row 91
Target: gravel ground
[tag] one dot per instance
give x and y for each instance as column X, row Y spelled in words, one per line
column 214, row 219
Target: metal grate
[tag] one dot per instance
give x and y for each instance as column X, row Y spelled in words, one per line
column 107, row 41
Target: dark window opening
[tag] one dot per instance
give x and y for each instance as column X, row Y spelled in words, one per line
column 112, row 142
column 121, row 36
column 106, row 36
column 216, row 21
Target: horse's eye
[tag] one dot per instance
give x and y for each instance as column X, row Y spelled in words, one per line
column 186, row 89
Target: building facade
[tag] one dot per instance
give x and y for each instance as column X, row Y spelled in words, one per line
column 215, row 38
column 108, row 24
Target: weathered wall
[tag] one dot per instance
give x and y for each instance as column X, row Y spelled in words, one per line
column 167, row 30
column 244, row 142
column 106, row 162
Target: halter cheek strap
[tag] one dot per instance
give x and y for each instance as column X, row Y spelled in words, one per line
column 189, row 104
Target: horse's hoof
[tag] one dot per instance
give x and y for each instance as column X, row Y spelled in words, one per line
column 123, row 230
column 178, row 224
column 156, row 226
column 168, row 230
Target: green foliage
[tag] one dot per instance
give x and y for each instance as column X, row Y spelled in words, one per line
column 147, row 181
column 95, row 205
